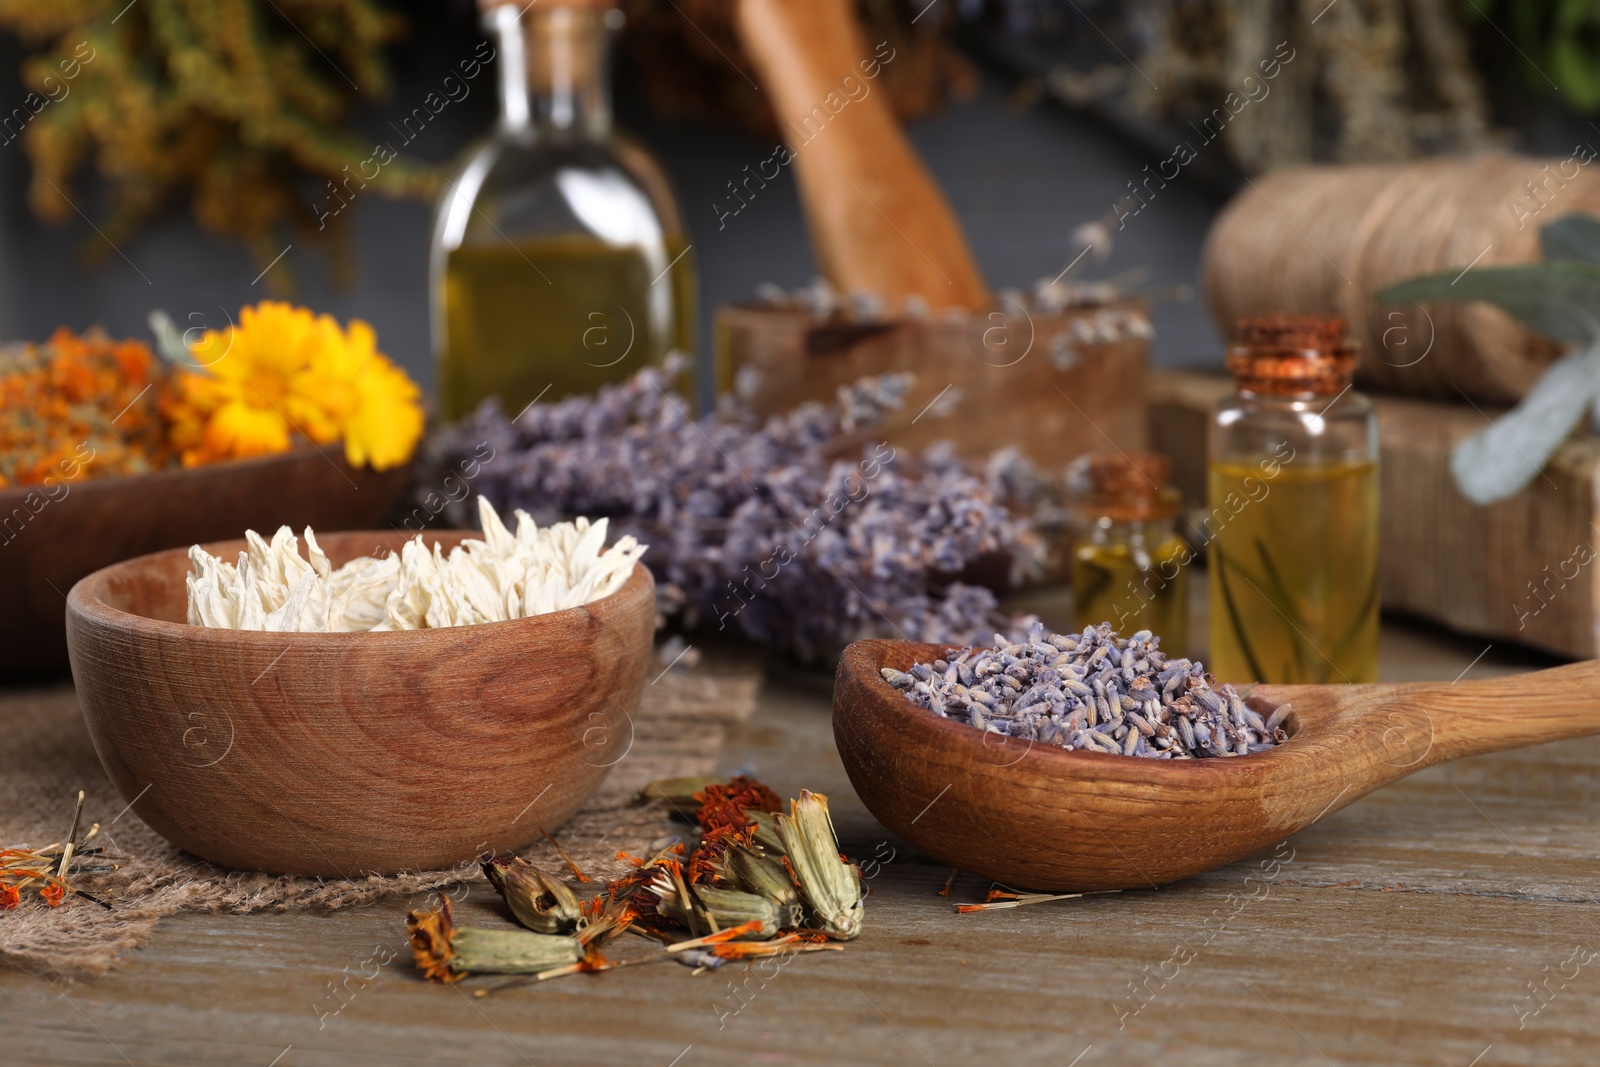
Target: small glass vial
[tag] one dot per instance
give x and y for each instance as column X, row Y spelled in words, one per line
column 1292, row 520
column 1129, row 567
column 559, row 261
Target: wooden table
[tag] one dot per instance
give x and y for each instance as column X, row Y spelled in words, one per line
column 1409, row 928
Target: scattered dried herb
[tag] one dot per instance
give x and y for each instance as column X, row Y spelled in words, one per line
column 539, row 901
column 47, row 869
column 829, row 882
column 752, row 901
column 446, row 952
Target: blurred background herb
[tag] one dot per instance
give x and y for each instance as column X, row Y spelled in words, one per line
column 235, row 104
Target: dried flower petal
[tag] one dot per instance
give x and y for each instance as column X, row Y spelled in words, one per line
column 430, row 933
column 730, row 804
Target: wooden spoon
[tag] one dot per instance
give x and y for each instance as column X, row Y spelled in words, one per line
column 878, row 221
column 1032, row 815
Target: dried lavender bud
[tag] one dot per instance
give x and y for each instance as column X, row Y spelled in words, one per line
column 1091, row 691
column 753, row 524
column 539, row 901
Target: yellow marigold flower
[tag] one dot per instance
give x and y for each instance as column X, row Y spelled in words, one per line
column 369, row 401
column 283, row 371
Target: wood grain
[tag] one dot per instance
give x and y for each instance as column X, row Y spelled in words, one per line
column 1515, row 570
column 1399, row 932
column 1017, row 380
column 1042, row 817
column 337, row 754
column 878, row 222
column 52, row 536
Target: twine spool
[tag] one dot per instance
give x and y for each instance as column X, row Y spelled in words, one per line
column 1325, row 239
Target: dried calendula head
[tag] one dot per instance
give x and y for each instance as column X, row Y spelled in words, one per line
column 830, row 885
column 704, row 909
column 705, row 863
column 764, row 875
column 766, row 835
column 540, row 901
column 445, row 952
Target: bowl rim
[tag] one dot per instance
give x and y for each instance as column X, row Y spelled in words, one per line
column 241, row 467
column 961, row 734
column 84, row 602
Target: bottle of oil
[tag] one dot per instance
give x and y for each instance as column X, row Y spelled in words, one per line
column 1292, row 522
column 1130, row 565
column 559, row 261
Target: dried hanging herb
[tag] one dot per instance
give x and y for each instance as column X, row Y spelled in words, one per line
column 754, row 525
column 228, row 101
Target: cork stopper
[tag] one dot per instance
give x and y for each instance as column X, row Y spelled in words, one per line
column 1287, row 354
column 1125, row 486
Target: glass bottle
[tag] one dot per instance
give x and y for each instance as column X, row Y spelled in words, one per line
column 1292, row 525
column 559, row 261
column 1129, row 567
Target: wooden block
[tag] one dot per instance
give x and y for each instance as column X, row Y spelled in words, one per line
column 1001, row 379
column 1521, row 570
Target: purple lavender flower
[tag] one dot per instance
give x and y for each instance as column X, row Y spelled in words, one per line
column 757, row 523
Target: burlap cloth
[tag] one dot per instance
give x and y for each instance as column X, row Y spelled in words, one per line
column 46, row 757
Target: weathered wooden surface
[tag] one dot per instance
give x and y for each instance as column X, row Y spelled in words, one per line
column 1521, row 570
column 1003, row 376
column 1402, row 930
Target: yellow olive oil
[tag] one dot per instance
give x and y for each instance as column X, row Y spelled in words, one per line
column 1134, row 588
column 1293, row 572
column 548, row 317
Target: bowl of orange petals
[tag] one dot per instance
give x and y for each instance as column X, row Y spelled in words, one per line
column 110, row 449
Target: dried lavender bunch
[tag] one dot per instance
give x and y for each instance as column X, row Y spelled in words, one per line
column 752, row 523
column 1092, row 691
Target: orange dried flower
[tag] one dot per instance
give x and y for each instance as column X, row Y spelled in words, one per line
column 54, row 893
column 430, row 933
column 10, row 897
column 705, row 865
column 727, row 804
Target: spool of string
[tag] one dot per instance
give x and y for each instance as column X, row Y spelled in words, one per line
column 1326, row 239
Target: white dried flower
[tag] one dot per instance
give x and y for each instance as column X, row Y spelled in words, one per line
column 503, row 576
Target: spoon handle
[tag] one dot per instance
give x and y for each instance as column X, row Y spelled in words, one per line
column 1469, row 718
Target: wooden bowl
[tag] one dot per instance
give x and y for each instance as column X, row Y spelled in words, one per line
column 342, row 754
column 50, row 538
column 1037, row 816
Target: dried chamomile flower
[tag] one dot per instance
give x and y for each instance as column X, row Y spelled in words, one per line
column 504, row 576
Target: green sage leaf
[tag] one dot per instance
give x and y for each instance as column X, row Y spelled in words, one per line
column 1558, row 299
column 1573, row 237
column 1504, row 457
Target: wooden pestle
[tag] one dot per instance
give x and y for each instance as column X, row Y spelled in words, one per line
column 878, row 222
